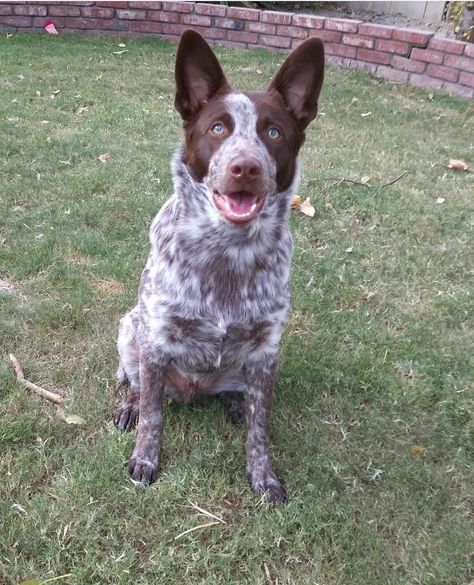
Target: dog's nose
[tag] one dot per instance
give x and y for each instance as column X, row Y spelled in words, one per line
column 245, row 169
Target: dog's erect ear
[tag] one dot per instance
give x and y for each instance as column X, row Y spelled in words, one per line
column 198, row 74
column 299, row 81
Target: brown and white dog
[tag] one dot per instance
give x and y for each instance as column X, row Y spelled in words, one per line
column 215, row 293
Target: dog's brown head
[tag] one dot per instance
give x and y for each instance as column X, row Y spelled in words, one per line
column 244, row 145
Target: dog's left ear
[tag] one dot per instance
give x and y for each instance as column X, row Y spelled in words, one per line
column 299, row 81
column 198, row 74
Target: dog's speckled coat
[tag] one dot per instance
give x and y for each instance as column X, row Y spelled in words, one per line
column 215, row 295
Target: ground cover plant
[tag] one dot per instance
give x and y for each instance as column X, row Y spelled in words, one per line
column 372, row 423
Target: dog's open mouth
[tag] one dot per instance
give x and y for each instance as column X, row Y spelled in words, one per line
column 239, row 206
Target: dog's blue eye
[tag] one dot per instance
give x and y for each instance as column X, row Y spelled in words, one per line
column 218, row 129
column 273, row 133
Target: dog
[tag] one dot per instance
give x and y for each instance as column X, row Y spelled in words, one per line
column 215, row 294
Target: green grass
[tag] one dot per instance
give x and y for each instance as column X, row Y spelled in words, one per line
column 372, row 424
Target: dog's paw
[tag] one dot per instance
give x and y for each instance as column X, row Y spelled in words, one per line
column 271, row 488
column 143, row 470
column 126, row 415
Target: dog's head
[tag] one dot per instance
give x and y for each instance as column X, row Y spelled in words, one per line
column 243, row 146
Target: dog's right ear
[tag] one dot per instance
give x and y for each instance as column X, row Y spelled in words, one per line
column 198, row 74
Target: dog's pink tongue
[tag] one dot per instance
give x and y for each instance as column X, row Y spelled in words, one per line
column 241, row 201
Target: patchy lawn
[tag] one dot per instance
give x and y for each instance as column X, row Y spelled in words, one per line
column 372, row 425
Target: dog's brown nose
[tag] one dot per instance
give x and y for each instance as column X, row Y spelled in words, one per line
column 247, row 169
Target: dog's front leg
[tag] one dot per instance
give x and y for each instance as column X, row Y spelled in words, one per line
column 258, row 398
column 144, row 463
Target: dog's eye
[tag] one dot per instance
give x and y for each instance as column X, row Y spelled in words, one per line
column 273, row 133
column 218, row 129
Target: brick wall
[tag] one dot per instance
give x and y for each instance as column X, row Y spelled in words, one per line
column 395, row 54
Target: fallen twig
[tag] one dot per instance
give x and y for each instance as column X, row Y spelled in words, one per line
column 339, row 180
column 204, row 512
column 394, row 180
column 196, row 528
column 27, row 384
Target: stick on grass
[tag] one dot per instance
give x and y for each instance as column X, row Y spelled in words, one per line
column 27, row 384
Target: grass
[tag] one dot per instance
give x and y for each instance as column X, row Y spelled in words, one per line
column 372, row 425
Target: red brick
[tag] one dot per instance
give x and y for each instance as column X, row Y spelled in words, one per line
column 412, row 36
column 196, row 20
column 19, row 21
column 392, row 46
column 391, row 74
column 425, row 81
column 97, row 12
column 446, row 73
column 275, row 17
column 64, row 11
column 30, row 10
column 292, row 31
column 463, row 63
column 328, row 36
column 38, row 21
column 112, row 24
column 376, row 30
column 231, row 24
column 5, row 9
column 178, row 6
column 358, row 41
column 466, row 78
column 242, row 36
column 131, row 14
column 405, row 64
column 446, row 45
column 173, row 29
column 374, row 56
column 243, row 13
column 146, row 27
column 340, row 50
column 469, row 50
column 457, row 89
column 145, row 5
column 209, row 9
column 269, row 41
column 162, row 16
column 427, row 56
column 112, row 4
column 314, row 22
column 342, row 24
column 211, row 32
column 261, row 27
column 363, row 66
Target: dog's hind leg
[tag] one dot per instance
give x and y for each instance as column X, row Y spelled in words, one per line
column 126, row 415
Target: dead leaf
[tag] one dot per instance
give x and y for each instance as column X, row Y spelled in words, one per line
column 458, row 165
column 307, row 208
column 349, row 250
column 122, row 45
column 120, row 52
column 440, row 200
column 70, row 419
column 365, row 180
column 296, row 201
column 104, row 158
column 417, row 450
column 366, row 114
column 81, row 109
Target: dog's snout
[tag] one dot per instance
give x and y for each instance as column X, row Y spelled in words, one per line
column 247, row 169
